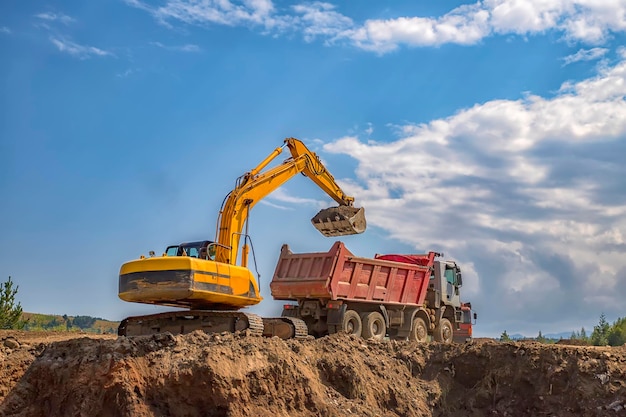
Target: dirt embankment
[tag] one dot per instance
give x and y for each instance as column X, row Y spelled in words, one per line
column 235, row 375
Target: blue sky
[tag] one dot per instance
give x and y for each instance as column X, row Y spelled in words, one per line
column 493, row 131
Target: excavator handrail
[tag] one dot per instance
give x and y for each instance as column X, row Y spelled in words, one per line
column 255, row 185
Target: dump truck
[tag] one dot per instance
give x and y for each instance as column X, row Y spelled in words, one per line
column 414, row 296
column 210, row 279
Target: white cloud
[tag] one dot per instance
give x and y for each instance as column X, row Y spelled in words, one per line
column 138, row 4
column 278, row 206
column 76, row 50
column 531, row 193
column 127, row 73
column 188, row 48
column 526, row 16
column 179, row 48
column 58, row 17
column 224, row 12
column 281, row 195
column 369, row 130
column 4, row 29
column 464, row 25
column 586, row 21
column 320, row 19
column 585, row 55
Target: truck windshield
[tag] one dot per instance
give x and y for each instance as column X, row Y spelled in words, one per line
column 450, row 276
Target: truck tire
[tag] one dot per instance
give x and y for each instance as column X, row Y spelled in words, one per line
column 374, row 326
column 351, row 323
column 444, row 332
column 419, row 332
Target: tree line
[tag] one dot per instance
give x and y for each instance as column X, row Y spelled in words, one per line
column 12, row 316
column 603, row 334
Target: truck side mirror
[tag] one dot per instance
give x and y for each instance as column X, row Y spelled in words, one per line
column 459, row 279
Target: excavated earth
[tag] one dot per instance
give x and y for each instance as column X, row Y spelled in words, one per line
column 68, row 374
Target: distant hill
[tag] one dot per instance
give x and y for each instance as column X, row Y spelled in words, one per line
column 553, row 336
column 50, row 322
column 562, row 335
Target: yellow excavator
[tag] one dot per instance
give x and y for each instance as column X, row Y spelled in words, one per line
column 204, row 277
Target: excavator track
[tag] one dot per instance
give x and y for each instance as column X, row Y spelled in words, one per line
column 300, row 328
column 182, row 322
column 285, row 328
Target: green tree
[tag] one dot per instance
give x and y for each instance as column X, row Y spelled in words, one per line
column 600, row 334
column 616, row 337
column 504, row 337
column 583, row 334
column 617, row 333
column 10, row 312
column 84, row 322
column 540, row 338
column 68, row 322
column 52, row 323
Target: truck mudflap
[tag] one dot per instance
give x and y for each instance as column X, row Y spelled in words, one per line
column 182, row 322
column 340, row 221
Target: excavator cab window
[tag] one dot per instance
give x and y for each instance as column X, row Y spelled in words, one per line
column 192, row 252
column 187, row 249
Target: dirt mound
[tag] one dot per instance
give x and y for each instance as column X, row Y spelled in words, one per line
column 236, row 375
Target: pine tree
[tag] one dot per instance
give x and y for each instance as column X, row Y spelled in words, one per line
column 600, row 334
column 10, row 312
column 504, row 337
column 540, row 337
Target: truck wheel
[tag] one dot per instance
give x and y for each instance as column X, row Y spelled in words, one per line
column 374, row 326
column 444, row 332
column 351, row 323
column 419, row 332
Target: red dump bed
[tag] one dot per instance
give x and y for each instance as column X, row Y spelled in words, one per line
column 339, row 275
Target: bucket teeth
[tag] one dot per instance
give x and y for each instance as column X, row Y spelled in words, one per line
column 340, row 221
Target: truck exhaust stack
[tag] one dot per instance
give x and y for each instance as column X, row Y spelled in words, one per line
column 340, row 221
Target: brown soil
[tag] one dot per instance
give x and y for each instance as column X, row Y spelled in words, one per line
column 65, row 374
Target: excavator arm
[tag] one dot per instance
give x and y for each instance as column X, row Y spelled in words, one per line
column 256, row 185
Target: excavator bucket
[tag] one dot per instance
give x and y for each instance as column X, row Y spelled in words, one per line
column 340, row 221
